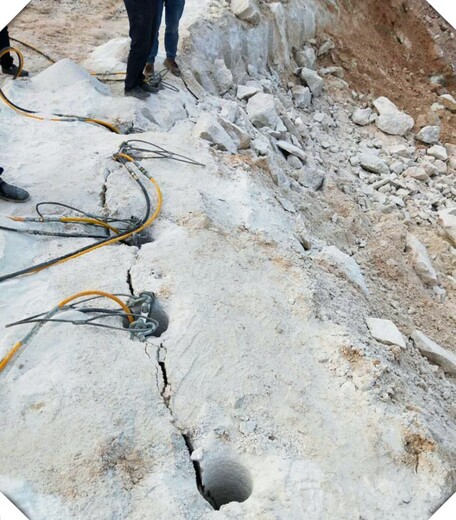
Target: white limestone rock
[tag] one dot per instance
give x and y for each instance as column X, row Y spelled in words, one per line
column 223, row 76
column 312, row 80
column 386, row 332
column 327, row 46
column 417, row 172
column 439, row 152
column 246, row 92
column 384, row 105
column 306, row 58
column 447, row 219
column 373, row 163
column 262, row 111
column 246, row 10
column 429, row 135
column 302, row 96
column 448, row 101
column 240, row 137
column 421, row 261
column 211, row 130
column 345, row 264
column 391, row 120
column 292, row 149
column 434, row 352
column 361, row 116
column 395, row 123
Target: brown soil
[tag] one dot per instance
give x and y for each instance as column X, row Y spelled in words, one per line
column 69, row 28
column 387, row 48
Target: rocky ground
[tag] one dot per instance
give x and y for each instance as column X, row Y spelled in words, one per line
column 308, row 270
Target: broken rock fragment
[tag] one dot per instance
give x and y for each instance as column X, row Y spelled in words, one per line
column 246, row 10
column 391, row 120
column 262, row 111
column 302, row 96
column 211, row 130
column 373, row 163
column 435, row 353
column 346, row 265
column 447, row 219
column 421, row 261
column 386, row 332
column 292, row 149
column 361, row 116
column 312, row 80
column 429, row 135
column 448, row 101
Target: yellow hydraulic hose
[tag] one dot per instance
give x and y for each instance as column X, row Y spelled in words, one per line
column 93, row 221
column 112, row 297
column 62, row 119
column 60, row 306
column 10, row 354
column 122, row 237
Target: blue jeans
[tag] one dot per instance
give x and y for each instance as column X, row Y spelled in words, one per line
column 173, row 14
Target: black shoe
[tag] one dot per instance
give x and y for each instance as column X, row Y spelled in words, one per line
column 13, row 193
column 13, row 70
column 143, row 90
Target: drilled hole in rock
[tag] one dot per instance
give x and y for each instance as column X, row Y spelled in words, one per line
column 225, row 481
column 155, row 312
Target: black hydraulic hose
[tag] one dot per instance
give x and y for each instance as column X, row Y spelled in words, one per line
column 49, row 263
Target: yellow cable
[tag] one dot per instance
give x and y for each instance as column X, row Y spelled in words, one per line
column 114, row 240
column 22, row 112
column 98, row 293
column 93, row 221
column 10, row 354
column 64, row 302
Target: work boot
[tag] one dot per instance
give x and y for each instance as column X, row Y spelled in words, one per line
column 172, row 66
column 142, row 91
column 13, row 70
column 12, row 193
column 149, row 70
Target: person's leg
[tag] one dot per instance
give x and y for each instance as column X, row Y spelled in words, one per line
column 155, row 32
column 140, row 13
column 173, row 13
column 6, row 61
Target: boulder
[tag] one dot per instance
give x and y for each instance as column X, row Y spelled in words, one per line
column 395, row 123
column 391, row 120
column 384, row 105
column 262, row 111
column 447, row 219
column 292, row 149
column 421, row 261
column 373, row 163
column 312, row 80
column 439, row 152
column 448, row 101
column 434, row 352
column 386, row 332
column 306, row 58
column 361, row 116
column 246, row 10
column 429, row 135
column 302, row 96
column 211, row 130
